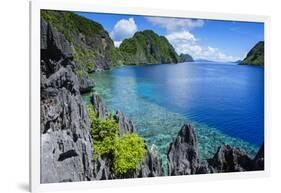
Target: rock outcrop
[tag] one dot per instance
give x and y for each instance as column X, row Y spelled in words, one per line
column 259, row 159
column 99, row 107
column 66, row 150
column 102, row 168
column 125, row 125
column 183, row 153
column 228, row 159
column 183, row 157
column 86, row 84
column 151, row 166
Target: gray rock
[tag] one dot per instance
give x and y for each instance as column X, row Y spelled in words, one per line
column 183, row 155
column 204, row 168
column 259, row 159
column 86, row 85
column 44, row 35
column 151, row 166
column 66, row 145
column 125, row 125
column 63, row 78
column 55, row 49
column 102, row 168
column 57, row 41
column 228, row 159
column 99, row 107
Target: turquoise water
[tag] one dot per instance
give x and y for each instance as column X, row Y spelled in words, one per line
column 223, row 102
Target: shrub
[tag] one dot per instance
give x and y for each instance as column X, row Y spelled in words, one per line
column 129, row 153
column 103, row 132
column 126, row 151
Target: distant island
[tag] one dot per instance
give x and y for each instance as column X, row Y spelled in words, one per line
column 147, row 47
column 255, row 56
column 203, row 60
column 186, row 58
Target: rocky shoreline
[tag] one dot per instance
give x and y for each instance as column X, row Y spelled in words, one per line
column 184, row 158
column 66, row 144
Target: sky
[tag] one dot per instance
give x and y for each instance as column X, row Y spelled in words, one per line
column 215, row 40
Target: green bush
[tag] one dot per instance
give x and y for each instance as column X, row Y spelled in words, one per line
column 103, row 132
column 129, row 153
column 126, row 151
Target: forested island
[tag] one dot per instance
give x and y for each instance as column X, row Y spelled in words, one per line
column 255, row 56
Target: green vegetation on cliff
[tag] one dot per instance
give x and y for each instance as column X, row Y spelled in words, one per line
column 91, row 45
column 147, row 47
column 256, row 55
column 127, row 151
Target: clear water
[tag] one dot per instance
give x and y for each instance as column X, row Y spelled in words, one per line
column 223, row 101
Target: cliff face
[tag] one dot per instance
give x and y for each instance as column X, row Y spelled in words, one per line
column 256, row 55
column 184, row 159
column 66, row 150
column 148, row 48
column 90, row 44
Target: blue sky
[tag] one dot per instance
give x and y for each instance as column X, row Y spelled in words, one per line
column 203, row 39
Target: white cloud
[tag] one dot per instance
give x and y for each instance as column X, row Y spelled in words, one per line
column 117, row 43
column 173, row 24
column 185, row 42
column 180, row 36
column 124, row 28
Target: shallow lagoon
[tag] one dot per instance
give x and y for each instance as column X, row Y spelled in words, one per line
column 224, row 102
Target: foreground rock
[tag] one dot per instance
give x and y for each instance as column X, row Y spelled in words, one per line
column 183, row 157
column 99, row 107
column 125, row 125
column 228, row 159
column 259, row 159
column 151, row 166
column 183, row 153
column 66, row 146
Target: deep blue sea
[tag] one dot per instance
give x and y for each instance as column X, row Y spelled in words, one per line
column 224, row 102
